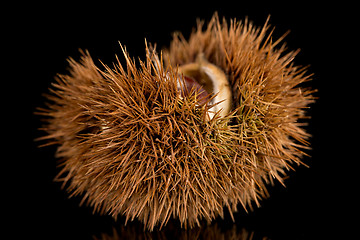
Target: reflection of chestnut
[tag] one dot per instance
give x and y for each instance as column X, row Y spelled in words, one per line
column 139, row 140
column 207, row 232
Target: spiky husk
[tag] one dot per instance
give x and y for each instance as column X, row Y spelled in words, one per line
column 269, row 102
column 130, row 145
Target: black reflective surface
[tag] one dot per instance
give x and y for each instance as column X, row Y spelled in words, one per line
column 45, row 35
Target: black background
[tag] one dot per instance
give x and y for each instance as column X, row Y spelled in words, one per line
column 38, row 38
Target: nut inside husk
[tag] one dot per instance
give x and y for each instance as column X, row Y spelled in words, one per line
column 209, row 80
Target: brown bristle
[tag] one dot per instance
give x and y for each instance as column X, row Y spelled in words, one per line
column 130, row 144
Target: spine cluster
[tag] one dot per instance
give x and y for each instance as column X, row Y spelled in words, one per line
column 131, row 144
